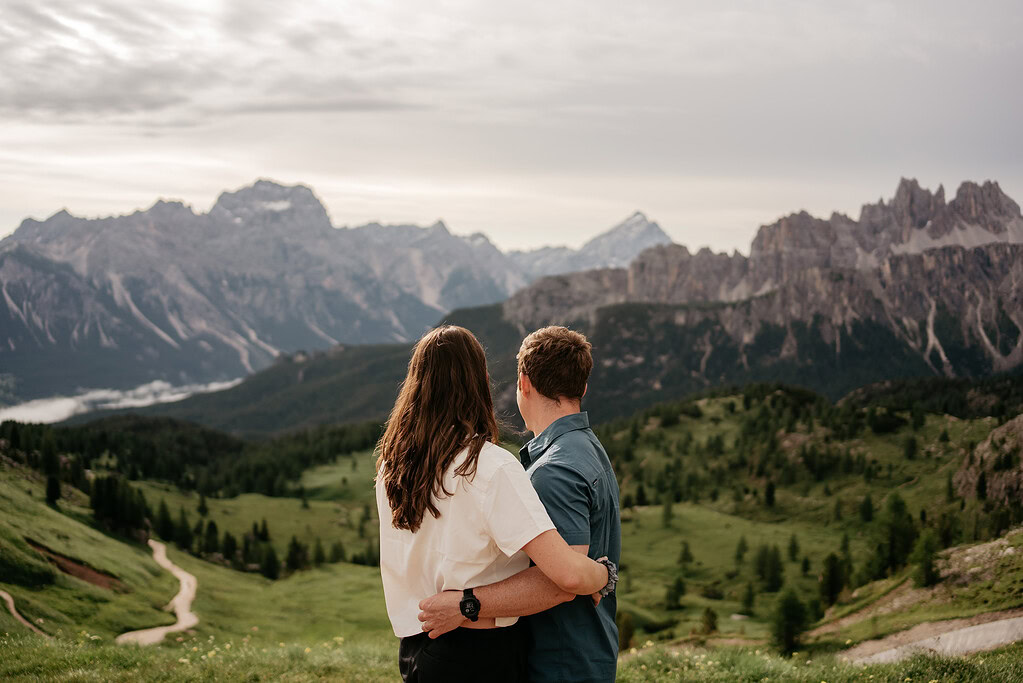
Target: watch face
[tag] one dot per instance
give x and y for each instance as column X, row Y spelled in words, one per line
column 470, row 607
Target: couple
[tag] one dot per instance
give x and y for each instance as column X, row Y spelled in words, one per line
column 472, row 539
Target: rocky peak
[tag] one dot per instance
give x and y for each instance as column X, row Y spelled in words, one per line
column 636, row 227
column 622, row 243
column 913, row 206
column 170, row 212
column 270, row 205
column 976, row 203
column 439, row 228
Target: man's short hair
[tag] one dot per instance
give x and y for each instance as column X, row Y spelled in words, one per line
column 557, row 362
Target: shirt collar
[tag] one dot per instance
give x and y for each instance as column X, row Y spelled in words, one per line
column 534, row 448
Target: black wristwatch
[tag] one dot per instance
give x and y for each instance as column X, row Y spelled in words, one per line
column 470, row 605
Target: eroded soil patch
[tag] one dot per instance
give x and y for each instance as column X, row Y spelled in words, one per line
column 79, row 569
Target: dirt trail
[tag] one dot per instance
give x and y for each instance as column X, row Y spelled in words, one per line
column 25, row 622
column 181, row 604
column 951, row 637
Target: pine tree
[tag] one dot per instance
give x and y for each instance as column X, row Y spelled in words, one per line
column 337, row 553
column 740, row 550
column 270, row 566
column 982, row 486
column 52, row 489
column 183, row 532
column 78, row 479
column 197, row 535
column 296, row 558
column 264, row 532
column 924, row 553
column 769, row 495
column 671, row 597
column 768, row 567
column 788, row 621
column 917, row 417
column 666, row 511
column 709, row 621
column 685, row 556
column 211, row 544
column 164, row 523
column 641, row 498
column 867, row 509
column 319, row 557
column 203, row 509
column 51, row 463
column 806, row 565
column 748, row 598
column 910, row 447
column 950, row 492
column 775, row 571
column 229, row 547
column 793, row 548
column 832, row 579
column 895, row 533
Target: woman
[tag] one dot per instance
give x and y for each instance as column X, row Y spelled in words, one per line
column 456, row 512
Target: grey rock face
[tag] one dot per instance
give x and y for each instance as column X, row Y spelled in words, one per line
column 172, row 294
column 940, row 280
column 615, row 248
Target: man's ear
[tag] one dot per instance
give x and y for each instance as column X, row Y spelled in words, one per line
column 525, row 386
column 585, row 387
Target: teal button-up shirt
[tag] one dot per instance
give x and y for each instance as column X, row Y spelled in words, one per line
column 572, row 474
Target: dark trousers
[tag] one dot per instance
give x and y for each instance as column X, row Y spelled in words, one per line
column 465, row 654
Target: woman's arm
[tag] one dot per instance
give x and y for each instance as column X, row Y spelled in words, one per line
column 572, row 572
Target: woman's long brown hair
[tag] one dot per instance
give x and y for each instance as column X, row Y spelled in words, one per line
column 443, row 407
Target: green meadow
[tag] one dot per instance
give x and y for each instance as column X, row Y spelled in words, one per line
column 329, row 622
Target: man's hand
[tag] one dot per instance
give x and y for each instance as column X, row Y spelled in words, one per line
column 440, row 613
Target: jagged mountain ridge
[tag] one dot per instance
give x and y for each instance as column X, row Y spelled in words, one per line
column 676, row 322
column 937, row 286
column 913, row 222
column 172, row 294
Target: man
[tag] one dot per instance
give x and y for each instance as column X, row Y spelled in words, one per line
column 572, row 639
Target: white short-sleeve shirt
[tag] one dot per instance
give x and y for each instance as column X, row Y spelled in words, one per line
column 477, row 539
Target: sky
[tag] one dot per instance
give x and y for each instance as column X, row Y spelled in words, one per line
column 533, row 122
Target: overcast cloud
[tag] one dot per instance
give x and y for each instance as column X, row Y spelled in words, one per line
column 531, row 121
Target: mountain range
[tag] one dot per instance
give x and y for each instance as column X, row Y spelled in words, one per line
column 186, row 297
column 914, row 287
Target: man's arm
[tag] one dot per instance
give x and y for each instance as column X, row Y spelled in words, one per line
column 525, row 593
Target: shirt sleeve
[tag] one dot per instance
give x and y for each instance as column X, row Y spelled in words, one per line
column 512, row 510
column 566, row 496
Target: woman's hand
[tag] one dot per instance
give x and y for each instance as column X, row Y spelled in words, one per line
column 441, row 614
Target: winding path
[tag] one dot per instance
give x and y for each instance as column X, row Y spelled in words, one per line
column 25, row 622
column 949, row 638
column 181, row 604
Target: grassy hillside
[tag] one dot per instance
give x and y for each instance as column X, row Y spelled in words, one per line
column 308, row 608
column 643, row 354
column 59, row 602
column 344, row 384
column 696, row 472
column 339, row 497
